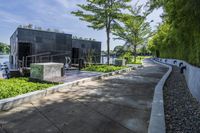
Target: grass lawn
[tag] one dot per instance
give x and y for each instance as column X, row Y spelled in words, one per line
column 16, row 86
column 102, row 68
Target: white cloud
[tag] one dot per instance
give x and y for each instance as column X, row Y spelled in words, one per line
column 63, row 3
column 50, row 14
column 10, row 18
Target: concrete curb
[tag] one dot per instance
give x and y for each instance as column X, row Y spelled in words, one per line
column 157, row 118
column 8, row 103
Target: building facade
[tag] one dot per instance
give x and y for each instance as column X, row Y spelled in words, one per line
column 31, row 45
column 86, row 49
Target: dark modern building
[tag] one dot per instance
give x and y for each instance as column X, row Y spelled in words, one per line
column 34, row 45
column 86, row 49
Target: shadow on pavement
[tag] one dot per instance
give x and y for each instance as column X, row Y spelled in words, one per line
column 118, row 104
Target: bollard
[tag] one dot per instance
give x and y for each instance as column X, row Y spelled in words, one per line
column 180, row 64
column 175, row 62
column 182, row 69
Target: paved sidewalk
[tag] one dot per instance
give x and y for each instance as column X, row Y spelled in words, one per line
column 118, row 104
column 74, row 75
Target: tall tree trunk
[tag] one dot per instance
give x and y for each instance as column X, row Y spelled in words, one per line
column 108, row 45
column 135, row 53
column 135, row 47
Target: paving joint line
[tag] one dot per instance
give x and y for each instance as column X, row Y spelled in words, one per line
column 47, row 118
column 129, row 107
column 104, row 116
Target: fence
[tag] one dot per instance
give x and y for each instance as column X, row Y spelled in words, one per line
column 44, row 57
column 60, row 57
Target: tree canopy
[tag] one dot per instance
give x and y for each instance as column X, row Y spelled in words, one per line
column 4, row 48
column 179, row 35
column 119, row 50
column 133, row 29
column 102, row 14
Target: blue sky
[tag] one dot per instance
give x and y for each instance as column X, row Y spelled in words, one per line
column 53, row 14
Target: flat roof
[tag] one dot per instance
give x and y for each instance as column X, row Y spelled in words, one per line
column 85, row 40
column 42, row 30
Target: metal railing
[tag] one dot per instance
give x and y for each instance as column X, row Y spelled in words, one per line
column 33, row 58
column 45, row 57
column 59, row 57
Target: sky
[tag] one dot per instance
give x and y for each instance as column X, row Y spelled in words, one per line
column 54, row 14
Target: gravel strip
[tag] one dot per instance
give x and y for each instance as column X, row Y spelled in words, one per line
column 182, row 110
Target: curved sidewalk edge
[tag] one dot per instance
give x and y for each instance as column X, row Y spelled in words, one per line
column 190, row 72
column 157, row 118
column 9, row 103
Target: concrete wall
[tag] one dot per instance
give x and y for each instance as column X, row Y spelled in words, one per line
column 192, row 76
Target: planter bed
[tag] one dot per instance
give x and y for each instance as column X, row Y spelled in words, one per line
column 103, row 68
column 17, row 86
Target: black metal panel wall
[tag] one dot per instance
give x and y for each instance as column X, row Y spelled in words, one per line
column 59, row 44
column 88, row 48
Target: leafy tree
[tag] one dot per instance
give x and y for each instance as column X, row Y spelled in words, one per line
column 182, row 39
column 133, row 29
column 143, row 50
column 119, row 50
column 4, row 48
column 128, row 55
column 157, row 44
column 102, row 14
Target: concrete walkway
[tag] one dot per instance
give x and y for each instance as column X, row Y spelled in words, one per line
column 118, row 104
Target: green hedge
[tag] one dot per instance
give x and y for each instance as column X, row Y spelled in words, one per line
column 179, row 36
column 102, row 68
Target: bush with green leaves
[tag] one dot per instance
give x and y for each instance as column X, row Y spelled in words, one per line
column 103, row 68
column 4, row 48
column 129, row 57
column 16, row 86
column 178, row 36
